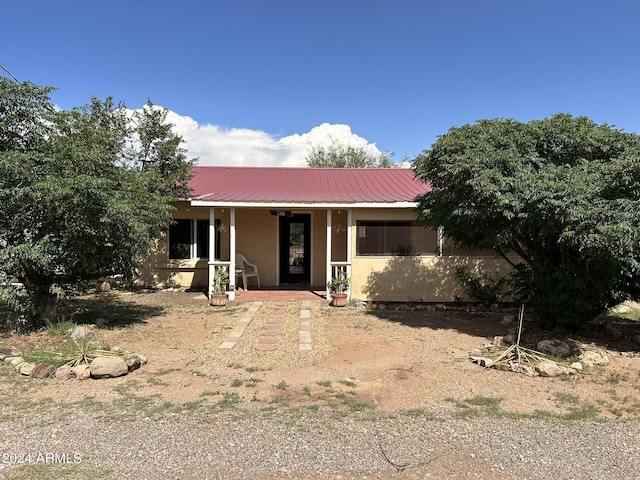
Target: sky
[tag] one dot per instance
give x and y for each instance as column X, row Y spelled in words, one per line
column 255, row 82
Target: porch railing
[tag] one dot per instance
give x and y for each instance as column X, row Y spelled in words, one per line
column 213, row 267
column 337, row 269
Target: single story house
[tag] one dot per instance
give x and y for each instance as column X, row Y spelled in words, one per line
column 302, row 226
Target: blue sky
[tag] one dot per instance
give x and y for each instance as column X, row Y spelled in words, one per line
column 256, row 82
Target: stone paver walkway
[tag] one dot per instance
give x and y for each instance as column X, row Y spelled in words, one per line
column 304, row 338
column 241, row 326
column 270, row 336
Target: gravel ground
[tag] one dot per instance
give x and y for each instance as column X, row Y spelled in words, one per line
column 308, row 448
column 404, row 365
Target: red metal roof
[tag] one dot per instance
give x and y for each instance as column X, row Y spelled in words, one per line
column 305, row 185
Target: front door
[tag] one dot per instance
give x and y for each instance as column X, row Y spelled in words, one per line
column 295, row 249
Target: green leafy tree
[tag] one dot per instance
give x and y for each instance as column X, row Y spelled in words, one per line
column 338, row 155
column 72, row 206
column 158, row 150
column 562, row 194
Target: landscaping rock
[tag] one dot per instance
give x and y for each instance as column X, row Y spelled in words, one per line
column 577, row 366
column 557, row 348
column 8, row 352
column 64, row 372
column 548, row 368
column 591, row 358
column 108, row 367
column 42, row 370
column 133, row 361
column 14, row 361
column 82, row 372
column 26, row 369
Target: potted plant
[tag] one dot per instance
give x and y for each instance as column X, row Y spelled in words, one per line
column 219, row 295
column 338, row 288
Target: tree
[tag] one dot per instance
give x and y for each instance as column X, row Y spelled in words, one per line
column 72, row 207
column 338, row 155
column 562, row 194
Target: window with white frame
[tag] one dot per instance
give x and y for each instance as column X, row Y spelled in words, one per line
column 189, row 238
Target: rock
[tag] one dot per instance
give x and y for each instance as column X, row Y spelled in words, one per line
column 26, row 368
column 509, row 339
column 64, row 372
column 381, row 306
column 14, row 361
column 591, row 358
column 577, row 366
column 547, row 368
column 440, row 307
column 42, row 370
column 508, row 320
column 501, row 366
column 133, row 361
column 82, row 372
column 143, row 359
column 108, row 367
column 557, row 348
column 8, row 352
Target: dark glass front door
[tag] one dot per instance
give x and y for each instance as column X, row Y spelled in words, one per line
column 295, row 252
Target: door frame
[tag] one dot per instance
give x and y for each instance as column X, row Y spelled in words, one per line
column 308, row 248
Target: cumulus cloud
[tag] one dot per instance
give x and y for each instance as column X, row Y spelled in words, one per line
column 214, row 145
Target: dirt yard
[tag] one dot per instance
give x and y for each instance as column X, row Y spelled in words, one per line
column 384, row 360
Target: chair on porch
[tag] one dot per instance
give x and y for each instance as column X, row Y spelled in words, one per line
column 246, row 269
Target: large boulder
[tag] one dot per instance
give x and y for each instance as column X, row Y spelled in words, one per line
column 108, row 367
column 557, row 348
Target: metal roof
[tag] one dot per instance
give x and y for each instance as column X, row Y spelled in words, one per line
column 280, row 185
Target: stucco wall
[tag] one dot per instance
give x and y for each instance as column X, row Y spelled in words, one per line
column 426, row 278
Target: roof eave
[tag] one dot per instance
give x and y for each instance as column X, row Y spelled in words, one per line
column 345, row 205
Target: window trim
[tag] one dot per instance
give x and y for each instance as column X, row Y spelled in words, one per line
column 193, row 239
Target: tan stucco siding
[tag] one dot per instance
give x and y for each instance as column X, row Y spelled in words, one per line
column 418, row 279
column 427, row 278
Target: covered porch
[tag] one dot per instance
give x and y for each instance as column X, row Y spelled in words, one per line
column 296, row 251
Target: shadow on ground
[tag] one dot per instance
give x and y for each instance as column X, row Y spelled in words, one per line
column 107, row 311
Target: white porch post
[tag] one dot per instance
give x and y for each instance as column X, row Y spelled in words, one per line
column 329, row 272
column 212, row 249
column 232, row 253
column 349, row 241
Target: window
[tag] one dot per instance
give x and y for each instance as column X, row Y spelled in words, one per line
column 395, row 238
column 190, row 239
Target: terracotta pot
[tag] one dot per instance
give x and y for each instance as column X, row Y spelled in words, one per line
column 338, row 299
column 218, row 299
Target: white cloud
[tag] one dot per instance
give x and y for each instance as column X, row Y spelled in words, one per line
column 243, row 147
